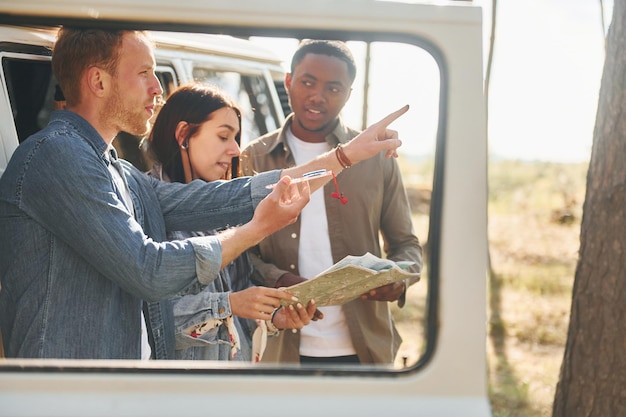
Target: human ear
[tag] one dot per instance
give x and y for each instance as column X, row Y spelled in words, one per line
column 97, row 81
column 181, row 134
column 287, row 81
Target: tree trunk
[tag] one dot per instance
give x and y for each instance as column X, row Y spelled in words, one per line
column 593, row 374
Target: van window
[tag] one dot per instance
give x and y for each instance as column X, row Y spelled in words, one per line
column 251, row 92
column 31, row 89
column 168, row 79
column 389, row 75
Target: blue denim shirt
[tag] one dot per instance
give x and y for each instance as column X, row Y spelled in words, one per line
column 75, row 265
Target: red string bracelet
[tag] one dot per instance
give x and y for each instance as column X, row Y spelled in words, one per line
column 336, row 194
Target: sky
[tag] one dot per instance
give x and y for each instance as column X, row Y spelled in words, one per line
column 548, row 61
column 545, row 80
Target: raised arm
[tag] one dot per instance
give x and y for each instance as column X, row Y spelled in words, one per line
column 280, row 208
column 373, row 140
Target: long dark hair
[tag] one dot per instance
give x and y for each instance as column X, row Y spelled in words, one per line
column 193, row 104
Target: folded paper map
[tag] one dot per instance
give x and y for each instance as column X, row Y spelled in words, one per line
column 349, row 278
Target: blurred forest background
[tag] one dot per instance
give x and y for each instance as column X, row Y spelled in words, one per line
column 534, row 211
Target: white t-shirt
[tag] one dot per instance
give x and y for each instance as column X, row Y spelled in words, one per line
column 329, row 336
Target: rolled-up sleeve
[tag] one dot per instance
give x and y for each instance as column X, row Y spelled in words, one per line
column 208, row 257
column 207, row 310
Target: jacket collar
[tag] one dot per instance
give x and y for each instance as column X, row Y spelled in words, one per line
column 340, row 134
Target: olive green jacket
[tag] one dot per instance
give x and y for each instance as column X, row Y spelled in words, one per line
column 377, row 206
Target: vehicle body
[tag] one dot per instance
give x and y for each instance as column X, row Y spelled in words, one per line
column 450, row 376
column 244, row 70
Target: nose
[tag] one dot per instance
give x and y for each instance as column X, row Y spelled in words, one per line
column 157, row 90
column 234, row 149
column 317, row 95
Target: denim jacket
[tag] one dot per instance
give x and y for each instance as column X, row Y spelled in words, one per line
column 209, row 306
column 75, row 265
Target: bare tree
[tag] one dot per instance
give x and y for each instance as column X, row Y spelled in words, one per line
column 593, row 374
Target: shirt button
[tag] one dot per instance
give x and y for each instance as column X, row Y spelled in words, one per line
column 292, row 266
column 221, row 310
column 294, row 235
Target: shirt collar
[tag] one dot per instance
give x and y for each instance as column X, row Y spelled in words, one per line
column 84, row 129
column 340, row 134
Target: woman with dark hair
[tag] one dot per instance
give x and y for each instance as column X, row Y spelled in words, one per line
column 202, row 117
column 196, row 136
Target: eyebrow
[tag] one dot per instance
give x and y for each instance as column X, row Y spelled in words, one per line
column 145, row 66
column 229, row 127
column 334, row 82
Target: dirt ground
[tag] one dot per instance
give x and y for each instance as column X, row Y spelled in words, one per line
column 529, row 324
column 534, row 238
column 534, row 226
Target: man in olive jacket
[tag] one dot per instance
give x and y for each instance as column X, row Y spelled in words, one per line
column 370, row 201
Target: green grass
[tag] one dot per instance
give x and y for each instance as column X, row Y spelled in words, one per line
column 538, row 186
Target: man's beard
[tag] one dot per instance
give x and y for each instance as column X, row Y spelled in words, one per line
column 330, row 125
column 128, row 120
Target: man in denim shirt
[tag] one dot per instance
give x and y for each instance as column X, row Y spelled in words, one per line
column 82, row 234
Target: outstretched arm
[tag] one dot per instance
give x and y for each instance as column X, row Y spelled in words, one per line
column 373, row 140
column 280, row 208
